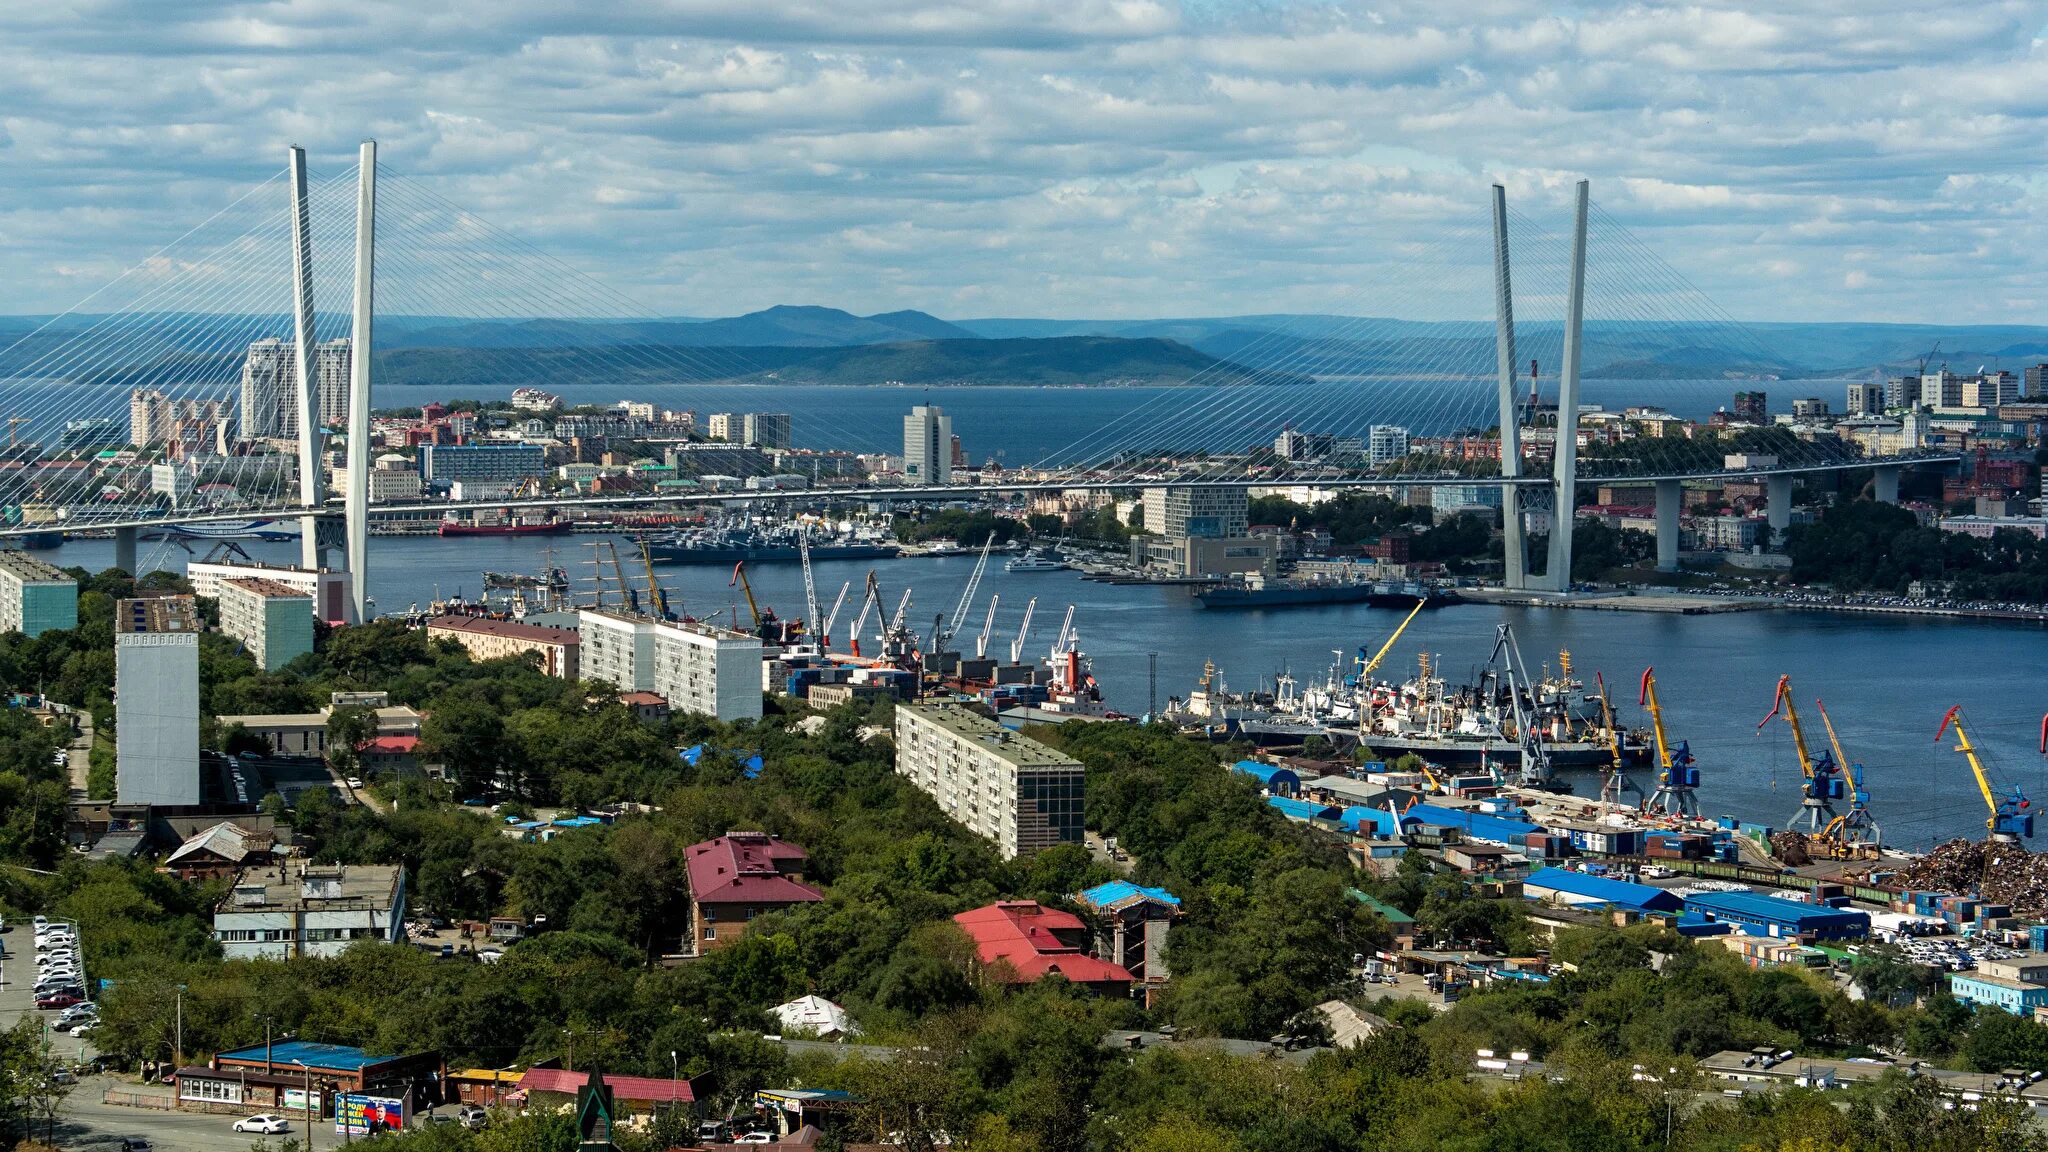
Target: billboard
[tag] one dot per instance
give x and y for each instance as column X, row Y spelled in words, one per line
column 295, row 1100
column 361, row 1115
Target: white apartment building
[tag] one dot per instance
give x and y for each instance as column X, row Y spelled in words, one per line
column 328, row 589
column 156, row 701
column 618, row 649
column 707, row 670
column 1213, row 512
column 271, row 913
column 395, row 479
column 1013, row 790
column 35, row 597
column 928, row 446
column 1386, row 443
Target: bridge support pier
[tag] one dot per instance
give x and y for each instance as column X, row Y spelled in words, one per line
column 1515, row 554
column 124, row 550
column 311, row 419
column 1778, row 507
column 356, row 493
column 1886, row 484
column 1565, row 462
column 1670, row 498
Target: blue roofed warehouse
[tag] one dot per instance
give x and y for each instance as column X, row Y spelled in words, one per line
column 1760, row 915
column 1577, row 889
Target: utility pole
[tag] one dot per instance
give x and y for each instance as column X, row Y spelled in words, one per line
column 178, row 1049
column 307, row 1102
column 1151, row 685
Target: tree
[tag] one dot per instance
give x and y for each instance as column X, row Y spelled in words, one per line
column 348, row 728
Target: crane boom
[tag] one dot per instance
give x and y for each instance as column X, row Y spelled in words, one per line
column 1059, row 645
column 987, row 626
column 868, row 602
column 1648, row 699
column 959, row 618
column 902, row 610
column 1834, row 741
column 825, row 637
column 2009, row 818
column 1783, row 701
column 803, row 551
column 657, row 603
column 739, row 577
column 1023, row 630
column 1365, row 672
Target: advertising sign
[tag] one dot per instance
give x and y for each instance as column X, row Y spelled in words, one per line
column 295, row 1100
column 361, row 1115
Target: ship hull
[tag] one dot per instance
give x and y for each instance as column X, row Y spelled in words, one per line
column 768, row 554
column 1291, row 596
column 552, row 528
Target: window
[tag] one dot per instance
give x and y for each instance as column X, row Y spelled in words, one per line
column 225, row 1091
column 711, row 932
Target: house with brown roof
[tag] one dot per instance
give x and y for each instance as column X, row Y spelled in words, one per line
column 1023, row 941
column 737, row 877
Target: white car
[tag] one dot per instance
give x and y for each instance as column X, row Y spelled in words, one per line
column 755, row 1138
column 264, row 1125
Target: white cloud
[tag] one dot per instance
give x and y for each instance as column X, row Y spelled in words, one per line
column 1071, row 157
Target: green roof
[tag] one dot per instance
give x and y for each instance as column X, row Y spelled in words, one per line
column 1392, row 914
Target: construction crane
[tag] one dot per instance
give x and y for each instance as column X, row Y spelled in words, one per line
column 1023, row 630
column 1616, row 783
column 1535, row 768
column 987, row 627
column 1677, row 778
column 870, row 599
column 942, row 636
column 1854, row 833
column 739, row 577
column 2012, row 816
column 1820, row 777
column 803, row 551
column 825, row 634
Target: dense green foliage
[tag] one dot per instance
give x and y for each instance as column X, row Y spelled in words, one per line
column 1651, row 455
column 1867, row 546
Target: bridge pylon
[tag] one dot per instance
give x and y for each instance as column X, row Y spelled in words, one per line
column 1515, row 571
column 1565, row 458
column 356, row 487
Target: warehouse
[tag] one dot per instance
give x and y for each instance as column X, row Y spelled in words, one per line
column 1474, row 825
column 1579, row 890
column 1277, row 781
column 1303, row 810
column 1761, row 915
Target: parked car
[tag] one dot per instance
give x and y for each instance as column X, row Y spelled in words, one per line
column 755, row 1138
column 56, row 1000
column 264, row 1125
column 473, row 1117
column 134, row 1144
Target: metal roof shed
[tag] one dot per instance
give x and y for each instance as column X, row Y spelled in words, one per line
column 1577, row 889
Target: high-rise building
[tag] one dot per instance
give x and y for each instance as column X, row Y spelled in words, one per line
column 1751, row 408
column 769, row 430
column 1942, row 389
column 156, row 701
column 928, row 446
column 2035, row 379
column 270, row 405
column 1865, row 399
column 445, row 464
column 1809, row 408
column 328, row 589
column 707, row 670
column 156, row 419
column 1206, row 511
column 1386, row 443
column 331, row 367
column 1901, row 392
column 726, row 426
column 35, row 597
column 618, row 649
column 1990, row 389
column 1013, row 790
column 273, row 620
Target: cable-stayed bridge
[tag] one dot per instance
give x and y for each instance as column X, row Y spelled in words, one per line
column 213, row 381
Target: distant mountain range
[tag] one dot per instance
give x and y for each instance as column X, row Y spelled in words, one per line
column 810, row 344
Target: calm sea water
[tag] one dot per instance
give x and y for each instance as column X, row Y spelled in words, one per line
column 1886, row 682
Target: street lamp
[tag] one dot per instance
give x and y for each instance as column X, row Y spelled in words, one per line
column 307, row 1102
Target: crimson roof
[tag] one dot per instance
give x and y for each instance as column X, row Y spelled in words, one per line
column 639, row 1089
column 1021, row 933
column 741, row 868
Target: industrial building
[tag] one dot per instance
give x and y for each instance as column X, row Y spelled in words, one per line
column 1580, row 890
column 318, row 912
column 2018, row 986
column 485, row 639
column 156, row 701
column 1761, row 915
column 274, row 621
column 1273, row 779
column 1472, row 825
column 35, row 597
column 707, row 670
column 1009, row 788
column 329, row 589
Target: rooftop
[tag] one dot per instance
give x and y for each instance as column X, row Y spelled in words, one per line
column 510, row 630
column 338, row 1057
column 1620, row 893
column 1019, row 751
column 278, row 888
column 1120, row 894
column 28, row 568
column 1024, row 935
column 637, row 1089
column 747, row 867
column 225, row 840
column 158, row 614
column 268, row 589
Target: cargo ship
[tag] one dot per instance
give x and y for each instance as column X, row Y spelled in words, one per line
column 759, row 546
column 452, row 527
column 1291, row 593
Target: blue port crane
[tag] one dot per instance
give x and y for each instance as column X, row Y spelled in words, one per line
column 1854, row 833
column 1677, row 776
column 1821, row 781
column 2012, row 815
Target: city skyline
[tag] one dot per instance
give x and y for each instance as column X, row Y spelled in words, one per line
column 1070, row 160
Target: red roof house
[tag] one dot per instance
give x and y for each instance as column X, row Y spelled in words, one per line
column 739, row 876
column 1034, row 941
column 643, row 1092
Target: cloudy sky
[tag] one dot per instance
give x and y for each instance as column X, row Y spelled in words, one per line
column 1871, row 160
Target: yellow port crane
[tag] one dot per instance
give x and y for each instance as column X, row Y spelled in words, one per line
column 1854, row 833
column 1677, row 777
column 1616, row 783
column 2012, row 816
column 1820, row 779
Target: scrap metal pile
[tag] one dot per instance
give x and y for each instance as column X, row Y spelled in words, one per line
column 1790, row 849
column 2000, row 873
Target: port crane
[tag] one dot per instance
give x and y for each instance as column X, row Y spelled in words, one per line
column 803, row 552
column 1820, row 776
column 1677, row 777
column 988, row 625
column 1616, row 783
column 870, row 599
column 2011, row 816
column 1535, row 772
column 1362, row 679
column 1854, row 833
column 942, row 634
column 739, row 577
column 825, row 634
column 1023, row 631
column 657, row 600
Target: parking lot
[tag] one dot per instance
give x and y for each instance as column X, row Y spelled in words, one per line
column 17, row 996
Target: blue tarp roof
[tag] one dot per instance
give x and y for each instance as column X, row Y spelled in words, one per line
column 1477, row 825
column 578, row 822
column 692, row 754
column 313, row 1055
column 1620, row 893
column 1267, row 774
column 1118, row 891
column 1381, row 821
column 751, row 767
column 1300, row 809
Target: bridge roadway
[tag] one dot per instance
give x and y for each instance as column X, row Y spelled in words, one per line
column 333, row 507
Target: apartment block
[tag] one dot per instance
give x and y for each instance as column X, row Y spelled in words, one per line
column 328, row 589
column 708, row 670
column 1013, row 790
column 560, row 649
column 35, row 597
column 273, row 620
column 319, row 912
column 618, row 649
column 156, row 701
